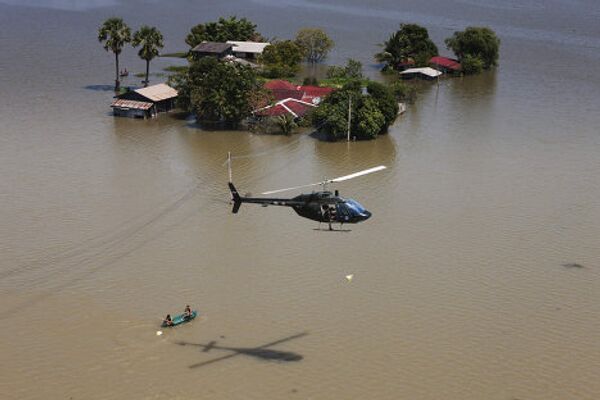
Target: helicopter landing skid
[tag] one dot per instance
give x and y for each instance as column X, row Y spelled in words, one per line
column 331, row 229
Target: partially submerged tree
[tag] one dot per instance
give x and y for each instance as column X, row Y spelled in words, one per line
column 370, row 113
column 114, row 33
column 352, row 71
column 409, row 44
column 403, row 91
column 386, row 102
column 150, row 41
column 217, row 92
column 223, row 30
column 315, row 44
column 281, row 59
column 475, row 47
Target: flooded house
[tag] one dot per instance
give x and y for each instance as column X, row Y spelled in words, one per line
column 145, row 102
column 247, row 50
column 426, row 73
column 446, row 65
column 212, row 49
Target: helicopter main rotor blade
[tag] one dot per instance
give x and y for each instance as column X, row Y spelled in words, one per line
column 292, row 188
column 357, row 174
column 339, row 179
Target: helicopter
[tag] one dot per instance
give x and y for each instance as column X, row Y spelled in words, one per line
column 322, row 206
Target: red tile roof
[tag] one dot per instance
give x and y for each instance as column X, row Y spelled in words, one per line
column 446, row 62
column 271, row 111
column 279, row 84
column 282, row 94
column 298, row 108
column 313, row 92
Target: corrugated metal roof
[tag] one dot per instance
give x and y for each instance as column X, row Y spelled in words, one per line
column 248, row 47
column 158, row 92
column 430, row 72
column 212, row 47
column 136, row 105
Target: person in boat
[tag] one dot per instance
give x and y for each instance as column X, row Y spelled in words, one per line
column 168, row 321
column 187, row 313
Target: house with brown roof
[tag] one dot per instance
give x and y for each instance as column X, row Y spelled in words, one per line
column 145, row 102
column 212, row 49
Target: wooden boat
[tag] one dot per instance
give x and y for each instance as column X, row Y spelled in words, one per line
column 180, row 319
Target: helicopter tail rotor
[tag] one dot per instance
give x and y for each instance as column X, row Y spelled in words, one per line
column 235, row 196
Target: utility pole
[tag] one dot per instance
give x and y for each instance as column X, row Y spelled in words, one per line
column 229, row 164
column 349, row 113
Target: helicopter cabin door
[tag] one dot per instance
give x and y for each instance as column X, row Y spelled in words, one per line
column 343, row 214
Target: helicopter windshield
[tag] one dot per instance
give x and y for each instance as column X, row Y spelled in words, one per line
column 355, row 207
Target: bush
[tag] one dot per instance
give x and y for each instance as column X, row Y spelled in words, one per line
column 472, row 65
column 475, row 42
column 404, row 91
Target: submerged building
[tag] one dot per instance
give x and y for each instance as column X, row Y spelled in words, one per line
column 145, row 102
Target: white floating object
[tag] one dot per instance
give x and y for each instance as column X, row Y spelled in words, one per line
column 349, row 277
column 158, row 333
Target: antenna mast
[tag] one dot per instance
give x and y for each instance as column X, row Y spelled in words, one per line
column 349, row 113
column 229, row 165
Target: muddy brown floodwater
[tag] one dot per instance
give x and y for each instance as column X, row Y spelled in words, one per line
column 462, row 287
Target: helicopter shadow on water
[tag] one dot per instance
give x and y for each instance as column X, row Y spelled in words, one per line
column 262, row 352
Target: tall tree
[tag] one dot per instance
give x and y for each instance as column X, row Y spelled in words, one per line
column 223, row 30
column 473, row 44
column 216, row 91
column 410, row 43
column 114, row 33
column 315, row 43
column 150, row 41
column 281, row 59
column 371, row 114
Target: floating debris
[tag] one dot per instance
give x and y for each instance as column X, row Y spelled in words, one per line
column 158, row 333
column 349, row 277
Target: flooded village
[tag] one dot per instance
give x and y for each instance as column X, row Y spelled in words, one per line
column 139, row 260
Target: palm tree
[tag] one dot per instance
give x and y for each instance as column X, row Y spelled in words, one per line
column 114, row 33
column 150, row 39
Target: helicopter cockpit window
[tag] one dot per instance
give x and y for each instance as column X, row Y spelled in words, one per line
column 354, row 207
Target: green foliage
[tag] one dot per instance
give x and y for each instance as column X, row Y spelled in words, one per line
column 176, row 68
column 216, row 91
column 314, row 43
column 310, row 80
column 371, row 120
column 385, row 101
column 472, row 65
column 281, row 59
column 223, row 30
column 403, row 91
column 411, row 42
column 286, row 124
column 475, row 43
column 150, row 41
column 177, row 54
column 352, row 70
column 371, row 113
column 114, row 33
